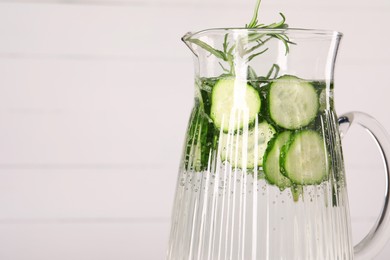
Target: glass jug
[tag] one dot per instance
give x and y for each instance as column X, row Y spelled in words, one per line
column 262, row 173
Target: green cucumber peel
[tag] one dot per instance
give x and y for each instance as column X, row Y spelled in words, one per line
column 271, row 163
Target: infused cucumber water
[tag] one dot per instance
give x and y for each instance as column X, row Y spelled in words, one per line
column 242, row 122
column 261, row 177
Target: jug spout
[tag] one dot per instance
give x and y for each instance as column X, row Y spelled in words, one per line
column 212, row 53
column 207, row 43
column 187, row 40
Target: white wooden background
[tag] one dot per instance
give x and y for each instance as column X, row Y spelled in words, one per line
column 94, row 100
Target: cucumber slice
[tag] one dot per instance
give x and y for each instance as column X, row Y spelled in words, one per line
column 271, row 165
column 233, row 103
column 293, row 102
column 240, row 149
column 304, row 159
column 199, row 142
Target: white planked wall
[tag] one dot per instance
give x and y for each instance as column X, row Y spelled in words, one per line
column 94, row 100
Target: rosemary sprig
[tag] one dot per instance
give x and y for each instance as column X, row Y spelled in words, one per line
column 249, row 47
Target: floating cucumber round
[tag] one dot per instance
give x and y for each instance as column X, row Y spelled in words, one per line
column 234, row 103
column 304, row 159
column 271, row 164
column 246, row 150
column 293, row 102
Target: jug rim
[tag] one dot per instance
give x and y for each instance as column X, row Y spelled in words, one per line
column 296, row 31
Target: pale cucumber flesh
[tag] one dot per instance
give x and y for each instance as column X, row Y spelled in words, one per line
column 293, row 102
column 234, row 104
column 304, row 160
column 247, row 150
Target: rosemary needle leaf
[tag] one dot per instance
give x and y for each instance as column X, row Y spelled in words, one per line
column 225, row 43
column 275, row 68
column 254, row 21
column 217, row 53
column 230, row 51
column 256, row 54
column 223, row 67
column 251, row 73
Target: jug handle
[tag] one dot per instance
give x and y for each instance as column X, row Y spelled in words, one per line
column 379, row 234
